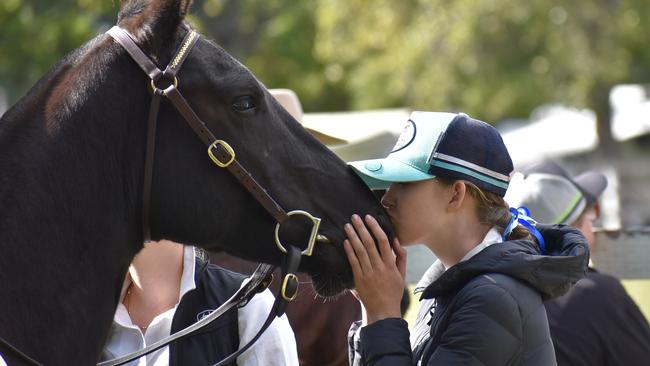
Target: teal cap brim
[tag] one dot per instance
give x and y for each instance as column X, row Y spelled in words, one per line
column 381, row 173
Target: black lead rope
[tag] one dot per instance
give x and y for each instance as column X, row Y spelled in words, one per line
column 286, row 293
column 260, row 280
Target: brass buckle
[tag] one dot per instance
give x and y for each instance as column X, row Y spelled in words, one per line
column 225, row 146
column 155, row 89
column 312, row 237
column 289, row 276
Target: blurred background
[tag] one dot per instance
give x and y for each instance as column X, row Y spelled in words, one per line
column 565, row 80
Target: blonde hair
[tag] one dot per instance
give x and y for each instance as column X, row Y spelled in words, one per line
column 492, row 210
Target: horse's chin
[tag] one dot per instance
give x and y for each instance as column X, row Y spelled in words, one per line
column 329, row 270
column 327, row 285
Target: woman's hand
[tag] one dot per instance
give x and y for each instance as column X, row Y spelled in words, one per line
column 378, row 270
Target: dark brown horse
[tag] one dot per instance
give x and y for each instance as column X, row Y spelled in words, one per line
column 72, row 157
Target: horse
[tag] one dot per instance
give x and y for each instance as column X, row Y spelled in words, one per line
column 72, row 152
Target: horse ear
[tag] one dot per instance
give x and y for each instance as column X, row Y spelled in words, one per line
column 152, row 22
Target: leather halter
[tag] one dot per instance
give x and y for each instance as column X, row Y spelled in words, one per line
column 219, row 151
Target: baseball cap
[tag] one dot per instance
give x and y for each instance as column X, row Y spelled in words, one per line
column 450, row 145
column 590, row 183
column 551, row 198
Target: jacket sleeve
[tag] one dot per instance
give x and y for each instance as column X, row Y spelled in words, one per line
column 624, row 330
column 385, row 342
column 484, row 329
column 354, row 344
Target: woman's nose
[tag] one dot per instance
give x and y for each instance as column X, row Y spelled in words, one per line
column 388, row 200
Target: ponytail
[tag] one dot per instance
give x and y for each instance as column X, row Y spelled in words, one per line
column 493, row 210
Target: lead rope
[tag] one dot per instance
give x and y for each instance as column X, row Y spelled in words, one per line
column 287, row 292
column 260, row 280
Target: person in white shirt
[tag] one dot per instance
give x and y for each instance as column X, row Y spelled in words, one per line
column 168, row 287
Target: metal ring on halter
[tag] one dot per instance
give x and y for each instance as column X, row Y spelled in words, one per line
column 293, row 290
column 312, row 237
column 228, row 149
column 156, row 89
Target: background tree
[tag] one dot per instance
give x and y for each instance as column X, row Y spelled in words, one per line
column 494, row 59
column 34, row 34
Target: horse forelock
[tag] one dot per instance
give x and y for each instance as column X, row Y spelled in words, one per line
column 154, row 24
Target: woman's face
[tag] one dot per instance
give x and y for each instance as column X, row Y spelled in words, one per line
column 416, row 209
column 585, row 223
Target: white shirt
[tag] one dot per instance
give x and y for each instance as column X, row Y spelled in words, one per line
column 421, row 327
column 276, row 346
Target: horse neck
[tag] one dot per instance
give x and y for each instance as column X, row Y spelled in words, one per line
column 70, row 192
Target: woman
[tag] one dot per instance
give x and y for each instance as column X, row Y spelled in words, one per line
column 481, row 301
column 168, row 288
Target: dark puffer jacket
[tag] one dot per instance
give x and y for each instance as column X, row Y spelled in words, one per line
column 488, row 310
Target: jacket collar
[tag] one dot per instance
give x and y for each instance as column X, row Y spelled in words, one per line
column 551, row 275
column 437, row 268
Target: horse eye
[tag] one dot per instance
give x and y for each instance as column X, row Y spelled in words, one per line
column 244, row 104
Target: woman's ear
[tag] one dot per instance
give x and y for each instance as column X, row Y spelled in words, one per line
column 458, row 193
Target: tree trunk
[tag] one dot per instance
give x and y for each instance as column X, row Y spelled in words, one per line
column 599, row 102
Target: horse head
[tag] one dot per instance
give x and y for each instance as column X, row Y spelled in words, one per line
column 194, row 201
column 72, row 162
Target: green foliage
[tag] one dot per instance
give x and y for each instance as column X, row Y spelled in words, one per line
column 491, row 58
column 36, row 33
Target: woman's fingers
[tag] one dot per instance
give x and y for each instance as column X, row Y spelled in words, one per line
column 354, row 261
column 385, row 251
column 400, row 259
column 359, row 249
column 367, row 240
column 380, row 281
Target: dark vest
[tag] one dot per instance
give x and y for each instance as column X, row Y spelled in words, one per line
column 214, row 285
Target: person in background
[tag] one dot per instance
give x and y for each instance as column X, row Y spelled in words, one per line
column 481, row 301
column 596, row 322
column 169, row 287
